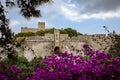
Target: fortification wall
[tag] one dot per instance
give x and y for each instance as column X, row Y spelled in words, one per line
column 41, row 26
column 43, row 45
column 99, row 36
column 63, row 36
column 39, row 48
column 72, row 46
column 49, row 36
column 23, row 30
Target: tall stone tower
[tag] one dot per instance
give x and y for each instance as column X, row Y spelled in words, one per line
column 56, row 37
column 41, row 25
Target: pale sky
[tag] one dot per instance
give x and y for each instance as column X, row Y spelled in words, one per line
column 86, row 16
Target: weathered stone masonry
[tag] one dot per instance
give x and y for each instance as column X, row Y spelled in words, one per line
column 43, row 45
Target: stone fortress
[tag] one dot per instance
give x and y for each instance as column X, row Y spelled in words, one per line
column 41, row 26
column 43, row 45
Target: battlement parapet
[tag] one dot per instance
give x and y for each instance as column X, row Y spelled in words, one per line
column 41, row 26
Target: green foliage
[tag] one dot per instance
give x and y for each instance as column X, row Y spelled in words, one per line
column 51, row 30
column 40, row 33
column 25, row 34
column 23, row 63
column 78, row 33
column 12, row 54
column 71, row 32
column 63, row 31
column 28, row 8
column 116, row 47
column 35, row 60
column 6, row 35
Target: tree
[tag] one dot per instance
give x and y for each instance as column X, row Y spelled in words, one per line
column 115, row 49
column 115, row 38
column 62, row 31
column 51, row 30
column 25, row 34
column 71, row 32
column 5, row 33
column 28, row 9
column 40, row 33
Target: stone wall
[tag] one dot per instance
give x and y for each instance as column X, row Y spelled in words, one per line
column 40, row 48
column 41, row 26
column 44, row 45
column 25, row 29
column 49, row 36
column 36, row 46
column 41, row 45
column 63, row 37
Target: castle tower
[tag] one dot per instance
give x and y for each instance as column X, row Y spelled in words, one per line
column 41, row 25
column 56, row 37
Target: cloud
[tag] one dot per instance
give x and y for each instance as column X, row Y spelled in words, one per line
column 14, row 23
column 95, row 6
column 74, row 15
column 78, row 10
column 49, row 11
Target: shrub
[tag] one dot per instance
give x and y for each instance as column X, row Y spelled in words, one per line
column 40, row 33
column 115, row 49
column 98, row 66
column 22, row 63
column 11, row 72
column 95, row 65
column 27, row 34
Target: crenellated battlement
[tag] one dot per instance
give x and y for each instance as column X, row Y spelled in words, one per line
column 41, row 26
column 45, row 44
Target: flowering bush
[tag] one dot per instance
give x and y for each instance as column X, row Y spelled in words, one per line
column 10, row 72
column 97, row 66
